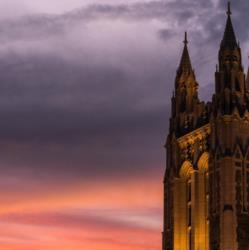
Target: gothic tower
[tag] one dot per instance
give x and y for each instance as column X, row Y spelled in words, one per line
column 206, row 183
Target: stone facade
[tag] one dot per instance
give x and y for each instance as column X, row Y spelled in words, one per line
column 206, row 183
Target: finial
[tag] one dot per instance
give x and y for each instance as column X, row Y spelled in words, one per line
column 229, row 13
column 185, row 38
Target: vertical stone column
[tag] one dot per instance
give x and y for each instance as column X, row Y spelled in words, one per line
column 202, row 207
column 207, row 195
column 176, row 214
column 180, row 222
column 195, row 210
column 228, row 212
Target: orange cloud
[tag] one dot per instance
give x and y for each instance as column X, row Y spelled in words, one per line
column 120, row 215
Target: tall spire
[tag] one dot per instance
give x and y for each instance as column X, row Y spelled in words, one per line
column 229, row 79
column 185, row 63
column 229, row 38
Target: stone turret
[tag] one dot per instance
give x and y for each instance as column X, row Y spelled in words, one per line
column 230, row 78
column 187, row 111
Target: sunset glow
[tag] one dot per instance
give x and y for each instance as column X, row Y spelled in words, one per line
column 86, row 218
column 85, row 91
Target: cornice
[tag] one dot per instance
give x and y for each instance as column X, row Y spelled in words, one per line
column 198, row 134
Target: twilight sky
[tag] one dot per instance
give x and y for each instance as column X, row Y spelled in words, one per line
column 85, row 88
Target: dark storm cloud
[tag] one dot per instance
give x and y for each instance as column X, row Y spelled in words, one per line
column 164, row 34
column 44, row 25
column 31, row 27
column 83, row 118
column 209, row 19
column 86, row 118
column 190, row 14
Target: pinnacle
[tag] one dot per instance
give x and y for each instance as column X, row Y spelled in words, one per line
column 229, row 12
column 185, row 38
column 185, row 63
column 229, row 38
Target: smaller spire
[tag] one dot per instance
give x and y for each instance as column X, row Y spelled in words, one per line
column 229, row 12
column 229, row 38
column 185, row 64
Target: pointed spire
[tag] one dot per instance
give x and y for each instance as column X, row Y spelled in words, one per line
column 229, row 38
column 185, row 38
column 229, row 13
column 185, row 64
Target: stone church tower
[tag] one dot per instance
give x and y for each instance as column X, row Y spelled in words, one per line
column 206, row 183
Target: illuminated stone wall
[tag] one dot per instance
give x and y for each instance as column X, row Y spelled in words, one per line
column 206, row 183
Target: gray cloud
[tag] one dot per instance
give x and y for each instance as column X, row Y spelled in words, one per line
column 97, row 104
column 83, row 118
column 198, row 16
column 35, row 27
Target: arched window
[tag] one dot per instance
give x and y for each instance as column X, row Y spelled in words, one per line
column 185, row 215
column 189, row 211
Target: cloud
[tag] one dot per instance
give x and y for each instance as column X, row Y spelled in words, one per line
column 201, row 17
column 85, row 226
column 85, row 100
column 86, row 114
column 100, row 219
column 38, row 26
column 87, row 93
column 83, row 233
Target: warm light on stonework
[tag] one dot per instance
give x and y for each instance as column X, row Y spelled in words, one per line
column 207, row 175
